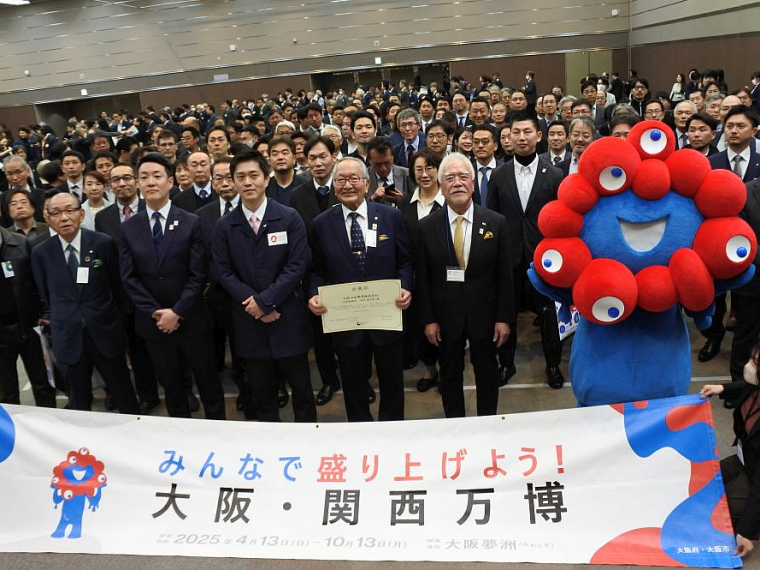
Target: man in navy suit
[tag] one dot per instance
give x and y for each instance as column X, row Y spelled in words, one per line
column 261, row 255
column 164, row 270
column 202, row 193
column 409, row 125
column 363, row 241
column 108, row 221
column 77, row 274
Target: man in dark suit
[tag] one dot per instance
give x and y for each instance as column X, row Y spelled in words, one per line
column 740, row 127
column 409, row 125
column 217, row 298
column 311, row 199
column 261, row 255
column 530, row 88
column 461, row 106
column 376, row 249
column 702, row 130
column 464, row 279
column 388, row 183
column 164, row 270
column 518, row 190
column 484, row 147
column 108, row 221
column 77, row 275
column 201, row 193
column 72, row 163
column 19, row 313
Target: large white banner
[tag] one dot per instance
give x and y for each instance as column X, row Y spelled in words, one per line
column 633, row 484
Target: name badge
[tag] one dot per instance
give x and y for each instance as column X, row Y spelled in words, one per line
column 83, row 275
column 455, row 274
column 277, row 238
column 8, row 269
column 371, row 239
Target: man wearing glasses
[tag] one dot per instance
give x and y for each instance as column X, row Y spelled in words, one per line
column 77, row 275
column 409, row 124
column 363, row 241
column 582, row 131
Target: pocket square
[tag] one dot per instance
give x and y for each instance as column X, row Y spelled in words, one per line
column 383, row 237
column 488, row 235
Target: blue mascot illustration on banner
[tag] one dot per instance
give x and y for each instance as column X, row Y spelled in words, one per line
column 76, row 482
column 638, row 233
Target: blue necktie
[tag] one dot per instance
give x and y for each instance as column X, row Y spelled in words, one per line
column 357, row 242
column 484, row 186
column 203, row 194
column 323, row 190
column 72, row 262
column 227, row 208
column 158, row 234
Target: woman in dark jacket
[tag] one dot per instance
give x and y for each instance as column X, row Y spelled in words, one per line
column 741, row 472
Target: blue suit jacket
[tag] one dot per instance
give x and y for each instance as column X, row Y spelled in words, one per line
column 335, row 263
column 270, row 269
column 399, row 151
column 752, row 170
column 175, row 278
column 73, row 307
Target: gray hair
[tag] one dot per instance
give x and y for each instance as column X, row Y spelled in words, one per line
column 335, row 128
column 284, row 124
column 690, row 103
column 623, row 109
column 565, row 99
column 455, row 157
column 407, row 113
column 352, row 159
column 584, row 120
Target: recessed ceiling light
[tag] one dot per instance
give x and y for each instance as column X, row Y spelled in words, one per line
column 14, row 2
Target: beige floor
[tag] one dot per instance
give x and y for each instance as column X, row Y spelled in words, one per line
column 527, row 391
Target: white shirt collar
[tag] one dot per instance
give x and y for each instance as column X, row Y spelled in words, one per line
column 361, row 210
column 533, row 166
column 317, row 184
column 438, row 197
column 76, row 242
column 135, row 205
column 745, row 154
column 164, row 211
column 491, row 165
column 467, row 215
column 235, row 201
column 259, row 213
column 198, row 189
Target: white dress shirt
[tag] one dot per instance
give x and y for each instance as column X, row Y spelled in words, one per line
column 259, row 213
column 745, row 154
column 424, row 209
column 164, row 215
column 134, row 206
column 525, row 176
column 466, row 228
column 76, row 242
column 223, row 203
column 362, row 219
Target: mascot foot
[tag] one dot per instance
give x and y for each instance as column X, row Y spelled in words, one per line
column 554, row 377
column 709, row 351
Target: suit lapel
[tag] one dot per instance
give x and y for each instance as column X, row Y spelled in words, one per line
column 514, row 193
column 537, row 183
column 145, row 234
column 86, row 254
column 479, row 226
column 169, row 230
column 339, row 229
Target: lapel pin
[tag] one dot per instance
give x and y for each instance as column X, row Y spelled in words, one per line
column 543, row 171
column 481, row 231
column 87, row 259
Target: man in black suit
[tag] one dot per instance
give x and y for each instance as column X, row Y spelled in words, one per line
column 464, row 279
column 164, row 270
column 19, row 313
column 217, row 298
column 127, row 204
column 530, row 88
column 740, row 128
column 702, row 130
column 484, row 147
column 518, row 190
column 461, row 106
column 388, row 183
column 582, row 131
column 311, row 199
column 199, row 167
column 72, row 163
column 363, row 241
column 77, row 275
column 409, row 124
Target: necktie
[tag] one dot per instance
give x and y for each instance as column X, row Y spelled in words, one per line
column 738, row 165
column 158, row 233
column 409, row 155
column 75, row 190
column 357, row 242
column 484, row 185
column 459, row 241
column 255, row 223
column 227, row 208
column 203, row 194
column 323, row 190
column 684, row 140
column 461, row 122
column 127, row 212
column 557, row 160
column 72, row 261
column 384, row 180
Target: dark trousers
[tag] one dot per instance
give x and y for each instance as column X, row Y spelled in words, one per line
column 483, row 359
column 263, row 376
column 324, row 352
column 717, row 330
column 547, row 315
column 168, row 353
column 737, row 486
column 15, row 342
column 354, row 363
column 416, row 345
column 142, row 366
column 746, row 332
column 115, row 374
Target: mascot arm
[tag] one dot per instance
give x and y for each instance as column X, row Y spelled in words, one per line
column 562, row 295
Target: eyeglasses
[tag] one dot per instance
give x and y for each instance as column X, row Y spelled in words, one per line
column 70, row 212
column 127, row 178
column 408, row 125
column 353, row 180
column 220, row 178
column 582, row 136
column 436, row 136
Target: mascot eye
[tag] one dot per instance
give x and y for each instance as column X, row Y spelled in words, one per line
column 738, row 248
column 67, row 494
column 653, row 141
column 72, row 459
column 612, row 178
column 84, row 451
column 608, row 309
column 55, row 479
column 552, row 260
column 102, row 478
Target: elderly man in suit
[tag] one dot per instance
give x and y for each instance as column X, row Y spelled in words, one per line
column 464, row 279
column 127, row 204
column 77, row 274
column 388, row 182
column 518, row 190
column 363, row 241
column 201, row 193
column 261, row 255
column 164, row 271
